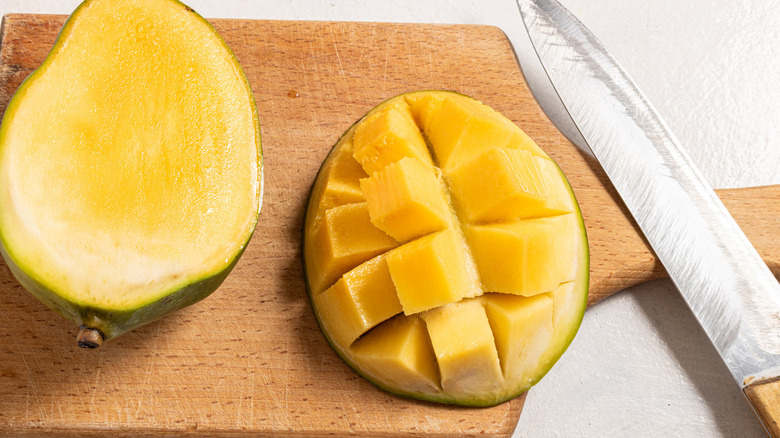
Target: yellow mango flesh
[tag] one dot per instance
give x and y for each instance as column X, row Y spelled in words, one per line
column 130, row 161
column 361, row 299
column 465, row 349
column 526, row 257
column 343, row 175
column 344, row 239
column 565, row 308
column 461, row 128
column 405, row 200
column 424, row 106
column 388, row 136
column 558, row 200
column 430, row 272
column 399, row 354
column 502, row 185
column 481, row 219
column 523, row 330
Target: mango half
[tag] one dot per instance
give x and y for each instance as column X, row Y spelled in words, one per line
column 445, row 254
column 130, row 167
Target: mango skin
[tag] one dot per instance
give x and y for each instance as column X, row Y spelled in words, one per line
column 113, row 322
column 558, row 345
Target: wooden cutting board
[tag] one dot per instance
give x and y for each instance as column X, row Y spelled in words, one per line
column 250, row 359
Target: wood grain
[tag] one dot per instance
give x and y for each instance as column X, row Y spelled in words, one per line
column 250, row 359
column 765, row 397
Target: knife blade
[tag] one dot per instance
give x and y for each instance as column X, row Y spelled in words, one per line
column 730, row 290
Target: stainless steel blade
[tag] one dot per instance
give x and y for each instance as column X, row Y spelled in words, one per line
column 718, row 272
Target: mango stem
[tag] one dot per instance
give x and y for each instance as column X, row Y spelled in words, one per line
column 89, row 337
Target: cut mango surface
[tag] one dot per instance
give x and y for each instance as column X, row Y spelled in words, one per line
column 343, row 175
column 458, row 272
column 460, row 128
column 523, row 328
column 130, row 165
column 526, row 257
column 399, row 354
column 361, row 299
column 431, row 271
column 388, row 136
column 405, row 200
column 344, row 239
column 465, row 348
column 503, row 185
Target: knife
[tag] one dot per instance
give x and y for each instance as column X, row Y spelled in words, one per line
column 730, row 290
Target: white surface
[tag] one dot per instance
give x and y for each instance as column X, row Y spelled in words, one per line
column 640, row 365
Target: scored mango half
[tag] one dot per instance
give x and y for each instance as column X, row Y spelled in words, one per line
column 445, row 253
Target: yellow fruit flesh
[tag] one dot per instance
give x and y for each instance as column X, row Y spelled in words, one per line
column 523, row 329
column 399, row 354
column 343, row 181
column 361, row 299
column 559, row 200
column 341, row 175
column 502, row 185
column 424, row 106
column 136, row 178
column 456, row 265
column 344, row 239
column 565, row 309
column 388, row 136
column 431, row 271
column 405, row 200
column 465, row 349
column 460, row 128
column 526, row 257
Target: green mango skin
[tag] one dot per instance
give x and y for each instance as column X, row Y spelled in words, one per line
column 110, row 323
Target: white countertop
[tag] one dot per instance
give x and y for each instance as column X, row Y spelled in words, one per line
column 640, row 365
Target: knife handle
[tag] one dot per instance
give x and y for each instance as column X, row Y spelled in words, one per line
column 764, row 396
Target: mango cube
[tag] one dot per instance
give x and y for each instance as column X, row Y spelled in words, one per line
column 521, row 141
column 388, row 136
column 464, row 346
column 431, row 271
column 344, row 239
column 398, row 353
column 501, row 185
column 423, row 106
column 405, row 200
column 361, row 299
column 526, row 257
column 342, row 174
column 462, row 128
column 522, row 327
column 558, row 199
